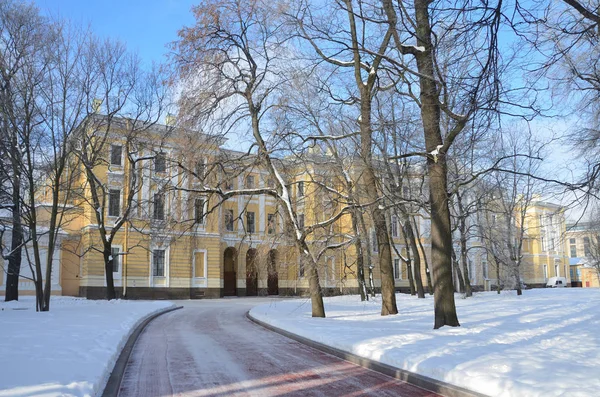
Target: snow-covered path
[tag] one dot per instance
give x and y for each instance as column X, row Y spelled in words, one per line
column 211, row 349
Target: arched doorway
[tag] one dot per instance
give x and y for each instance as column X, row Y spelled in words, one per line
column 251, row 273
column 229, row 287
column 273, row 277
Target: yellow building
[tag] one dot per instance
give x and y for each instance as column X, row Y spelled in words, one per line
column 178, row 243
column 584, row 249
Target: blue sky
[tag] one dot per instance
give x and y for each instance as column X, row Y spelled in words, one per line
column 145, row 25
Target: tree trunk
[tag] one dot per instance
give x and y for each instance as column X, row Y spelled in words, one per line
column 386, row 268
column 417, row 257
column 14, row 259
column 360, row 260
column 459, row 275
column 108, row 269
column 465, row 263
column 441, row 235
column 427, row 272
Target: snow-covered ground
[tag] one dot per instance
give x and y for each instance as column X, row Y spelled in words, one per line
column 544, row 343
column 68, row 351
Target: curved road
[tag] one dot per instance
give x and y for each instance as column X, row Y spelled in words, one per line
column 210, row 348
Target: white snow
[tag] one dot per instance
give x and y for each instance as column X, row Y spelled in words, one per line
column 68, row 351
column 544, row 343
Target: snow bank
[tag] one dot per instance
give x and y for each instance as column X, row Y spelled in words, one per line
column 544, row 343
column 69, row 351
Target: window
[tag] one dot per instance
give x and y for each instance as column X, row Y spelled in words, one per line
column 229, row 220
column 571, row 241
column 271, row 224
column 545, row 272
column 270, row 183
column 397, row 269
column 116, row 257
column 199, row 263
column 158, row 263
column 543, row 243
column 160, row 162
column 573, row 250
column 300, row 270
column 394, row 226
column 250, row 228
column 159, row 207
column 586, row 246
column 301, row 221
column 486, row 274
column 472, row 273
column 374, row 244
column 201, row 170
column 116, row 153
column 552, row 244
column 301, row 189
column 199, row 204
column 229, row 184
column 405, row 192
column 249, row 182
column 114, row 202
column 556, row 269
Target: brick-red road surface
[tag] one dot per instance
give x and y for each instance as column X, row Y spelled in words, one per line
column 210, row 348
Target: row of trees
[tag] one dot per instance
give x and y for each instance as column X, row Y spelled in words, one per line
column 54, row 77
column 391, row 91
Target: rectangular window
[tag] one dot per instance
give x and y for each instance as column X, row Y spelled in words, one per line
column 543, row 243
column 397, row 269
column 545, row 272
column 486, row 274
column 270, row 183
column 160, row 162
column 394, row 226
column 199, row 210
column 199, row 264
column 330, row 268
column 557, row 270
column 249, row 182
column 552, row 244
column 271, row 224
column 114, row 252
column 301, row 189
column 573, row 251
column 250, row 226
column 158, row 263
column 116, row 153
column 159, row 207
column 301, row 221
column 571, row 241
column 229, row 220
column 114, row 202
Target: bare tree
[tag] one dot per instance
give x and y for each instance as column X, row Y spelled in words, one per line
column 232, row 62
column 338, row 35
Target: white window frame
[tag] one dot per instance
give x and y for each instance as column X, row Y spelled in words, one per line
column 399, row 275
column 204, row 211
column 557, row 269
column 546, row 272
column 200, row 281
column 167, row 264
column 118, row 275
column 485, row 269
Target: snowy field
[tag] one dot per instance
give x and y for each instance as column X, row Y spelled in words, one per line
column 544, row 343
column 69, row 351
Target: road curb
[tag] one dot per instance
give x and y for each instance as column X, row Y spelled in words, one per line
column 424, row 382
column 114, row 381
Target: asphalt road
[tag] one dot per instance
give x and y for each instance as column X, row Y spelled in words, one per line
column 210, row 348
